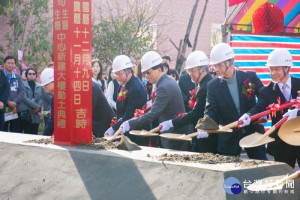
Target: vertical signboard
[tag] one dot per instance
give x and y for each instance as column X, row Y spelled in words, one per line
column 72, row 72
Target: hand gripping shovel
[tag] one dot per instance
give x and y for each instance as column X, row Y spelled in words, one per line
column 222, row 129
column 145, row 133
column 115, row 136
column 257, row 139
column 288, row 132
column 272, row 183
column 228, row 127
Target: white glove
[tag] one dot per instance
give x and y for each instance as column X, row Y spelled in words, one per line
column 149, row 104
column 263, row 120
column 291, row 114
column 109, row 131
column 202, row 134
column 125, row 127
column 166, row 125
column 245, row 119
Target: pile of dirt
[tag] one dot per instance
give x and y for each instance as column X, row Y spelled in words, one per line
column 207, row 158
column 42, row 141
column 124, row 144
column 206, row 123
column 98, row 143
column 101, row 143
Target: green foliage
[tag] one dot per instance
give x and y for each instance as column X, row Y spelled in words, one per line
column 125, row 34
column 30, row 29
column 6, row 6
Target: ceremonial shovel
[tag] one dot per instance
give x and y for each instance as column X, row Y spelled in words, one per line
column 115, row 136
column 288, row 132
column 145, row 133
column 257, row 139
column 222, row 129
column 272, row 183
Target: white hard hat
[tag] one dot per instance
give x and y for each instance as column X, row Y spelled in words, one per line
column 150, row 59
column 220, row 53
column 47, row 76
column 280, row 57
column 121, row 62
column 195, row 59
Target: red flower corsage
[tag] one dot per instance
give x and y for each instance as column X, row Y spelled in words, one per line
column 122, row 94
column 193, row 98
column 248, row 88
column 152, row 96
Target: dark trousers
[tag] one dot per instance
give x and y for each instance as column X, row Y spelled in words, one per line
column 1, row 121
column 30, row 128
column 258, row 153
column 14, row 126
column 291, row 158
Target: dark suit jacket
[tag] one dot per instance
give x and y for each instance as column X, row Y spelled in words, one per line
column 198, row 111
column 102, row 112
column 221, row 108
column 167, row 105
column 206, row 144
column 136, row 97
column 50, row 123
column 4, row 88
column 186, row 85
column 268, row 96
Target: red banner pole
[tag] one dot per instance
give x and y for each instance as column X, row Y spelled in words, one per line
column 72, row 72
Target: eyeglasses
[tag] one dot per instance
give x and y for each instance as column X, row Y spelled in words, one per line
column 190, row 71
column 219, row 65
column 31, row 74
column 148, row 72
column 119, row 73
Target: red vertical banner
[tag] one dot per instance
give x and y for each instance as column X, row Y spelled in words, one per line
column 72, row 35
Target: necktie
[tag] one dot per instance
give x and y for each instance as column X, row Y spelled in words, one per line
column 286, row 92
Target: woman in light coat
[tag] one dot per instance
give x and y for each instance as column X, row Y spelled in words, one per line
column 33, row 101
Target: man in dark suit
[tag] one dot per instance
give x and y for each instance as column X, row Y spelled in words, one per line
column 102, row 112
column 228, row 99
column 16, row 94
column 168, row 101
column 285, row 87
column 131, row 93
column 4, row 94
column 197, row 68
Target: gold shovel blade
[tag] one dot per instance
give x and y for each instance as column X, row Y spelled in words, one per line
column 174, row 136
column 270, row 183
column 289, row 132
column 111, row 137
column 254, row 140
column 142, row 133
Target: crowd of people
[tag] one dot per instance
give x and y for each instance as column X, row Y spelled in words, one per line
column 146, row 95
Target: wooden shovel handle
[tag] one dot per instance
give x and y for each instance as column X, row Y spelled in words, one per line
column 117, row 133
column 154, row 130
column 231, row 125
column 291, row 177
column 191, row 135
column 276, row 126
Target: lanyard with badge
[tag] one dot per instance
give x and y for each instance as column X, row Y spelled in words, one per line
column 12, row 81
